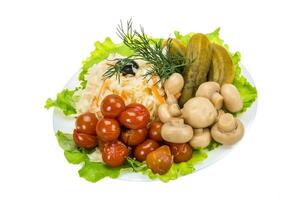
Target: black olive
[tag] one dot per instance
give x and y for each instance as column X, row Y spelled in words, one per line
column 130, row 66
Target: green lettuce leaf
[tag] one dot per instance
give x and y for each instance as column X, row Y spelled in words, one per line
column 213, row 145
column 247, row 91
column 102, row 51
column 95, row 171
column 183, row 38
column 65, row 141
column 71, row 152
column 64, row 101
column 75, row 156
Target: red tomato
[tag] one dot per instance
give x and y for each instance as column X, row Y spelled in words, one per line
column 181, row 152
column 154, row 132
column 84, row 140
column 160, row 160
column 135, row 116
column 114, row 154
column 142, row 150
column 112, row 105
column 133, row 137
column 108, row 129
column 86, row 123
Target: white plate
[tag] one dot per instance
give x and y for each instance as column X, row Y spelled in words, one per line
column 66, row 124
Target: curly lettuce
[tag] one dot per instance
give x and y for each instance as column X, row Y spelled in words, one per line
column 64, row 101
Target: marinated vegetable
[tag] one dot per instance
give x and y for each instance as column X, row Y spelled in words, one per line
column 142, row 150
column 155, row 131
column 84, row 140
column 133, row 137
column 86, row 123
column 199, row 52
column 181, row 152
column 160, row 160
column 221, row 70
column 135, row 116
column 114, row 154
column 108, row 130
column 112, row 105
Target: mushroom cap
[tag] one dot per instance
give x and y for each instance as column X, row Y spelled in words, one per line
column 232, row 99
column 226, row 122
column 175, row 131
column 230, row 137
column 174, row 84
column 207, row 89
column 201, row 138
column 211, row 91
column 199, row 112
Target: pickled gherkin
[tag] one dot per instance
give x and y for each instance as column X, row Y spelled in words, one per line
column 198, row 52
column 222, row 70
column 177, row 47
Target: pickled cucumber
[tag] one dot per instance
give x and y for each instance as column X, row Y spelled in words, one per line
column 198, row 53
column 177, row 47
column 221, row 70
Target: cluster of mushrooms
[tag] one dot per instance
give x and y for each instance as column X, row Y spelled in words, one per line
column 202, row 117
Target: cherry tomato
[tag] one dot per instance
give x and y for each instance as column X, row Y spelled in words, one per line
column 160, row 160
column 154, row 132
column 114, row 154
column 86, row 123
column 135, row 116
column 142, row 150
column 133, row 137
column 84, row 140
column 112, row 105
column 108, row 129
column 181, row 152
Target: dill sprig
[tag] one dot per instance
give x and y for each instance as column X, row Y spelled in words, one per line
column 116, row 69
column 163, row 64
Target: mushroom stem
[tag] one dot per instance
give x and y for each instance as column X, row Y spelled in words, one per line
column 176, row 131
column 201, row 138
column 174, row 110
column 211, row 91
column 217, row 100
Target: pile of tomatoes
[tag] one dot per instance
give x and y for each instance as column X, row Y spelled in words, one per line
column 126, row 131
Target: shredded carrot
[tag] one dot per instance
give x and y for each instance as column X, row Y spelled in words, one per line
column 124, row 95
column 155, row 92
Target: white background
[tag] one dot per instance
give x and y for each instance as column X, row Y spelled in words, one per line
column 42, row 44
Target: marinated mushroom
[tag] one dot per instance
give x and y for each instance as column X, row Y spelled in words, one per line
column 176, row 131
column 220, row 112
column 232, row 99
column 199, row 112
column 201, row 138
column 211, row 90
column 228, row 130
column 166, row 112
column 173, row 86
